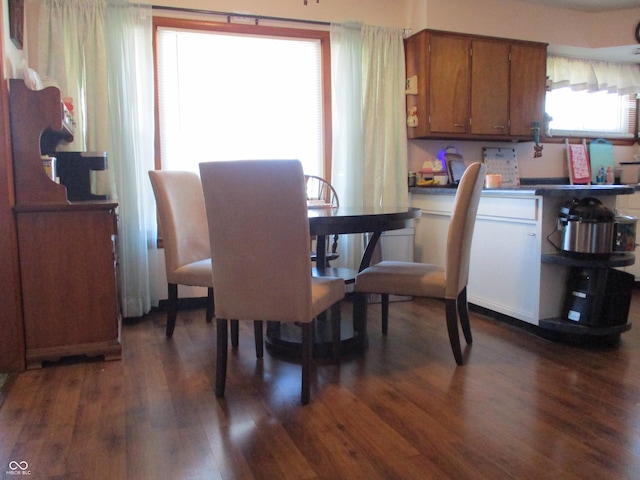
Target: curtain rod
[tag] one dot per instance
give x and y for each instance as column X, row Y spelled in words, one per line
column 240, row 15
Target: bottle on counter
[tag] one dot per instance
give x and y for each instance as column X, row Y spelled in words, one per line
column 412, row 179
column 608, row 176
column 600, row 177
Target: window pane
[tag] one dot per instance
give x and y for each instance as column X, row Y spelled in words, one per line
column 600, row 113
column 226, row 96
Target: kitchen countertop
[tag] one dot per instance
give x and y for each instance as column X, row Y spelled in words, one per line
column 550, row 190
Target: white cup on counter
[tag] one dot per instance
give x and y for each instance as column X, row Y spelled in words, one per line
column 493, row 180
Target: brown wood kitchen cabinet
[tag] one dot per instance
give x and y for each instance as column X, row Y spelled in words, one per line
column 66, row 249
column 475, row 87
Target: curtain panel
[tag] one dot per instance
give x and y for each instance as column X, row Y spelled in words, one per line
column 593, row 75
column 369, row 157
column 99, row 52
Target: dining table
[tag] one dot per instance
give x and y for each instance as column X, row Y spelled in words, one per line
column 284, row 339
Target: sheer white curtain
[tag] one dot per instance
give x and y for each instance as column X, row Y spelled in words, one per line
column 100, row 53
column 593, row 75
column 369, row 158
column 385, row 128
column 347, row 163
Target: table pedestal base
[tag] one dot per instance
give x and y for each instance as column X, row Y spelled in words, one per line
column 285, row 339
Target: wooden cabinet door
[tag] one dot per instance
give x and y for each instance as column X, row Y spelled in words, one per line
column 68, row 282
column 489, row 87
column 528, row 86
column 449, row 83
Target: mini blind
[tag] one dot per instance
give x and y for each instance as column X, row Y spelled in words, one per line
column 592, row 115
column 224, row 96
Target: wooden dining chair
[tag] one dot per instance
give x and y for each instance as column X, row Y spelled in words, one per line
column 434, row 281
column 321, row 194
column 251, row 206
column 185, row 238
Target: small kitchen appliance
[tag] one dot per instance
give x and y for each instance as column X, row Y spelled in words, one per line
column 598, row 297
column 74, row 170
column 587, row 228
column 630, row 172
column 624, row 234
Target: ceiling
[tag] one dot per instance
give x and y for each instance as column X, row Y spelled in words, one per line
column 629, row 53
column 589, row 5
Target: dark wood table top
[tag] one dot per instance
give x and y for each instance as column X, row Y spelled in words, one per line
column 349, row 219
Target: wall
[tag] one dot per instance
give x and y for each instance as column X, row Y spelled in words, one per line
column 12, row 350
column 525, row 21
column 372, row 12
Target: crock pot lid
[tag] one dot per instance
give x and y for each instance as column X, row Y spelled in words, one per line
column 588, row 209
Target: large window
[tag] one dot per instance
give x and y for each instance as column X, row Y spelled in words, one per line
column 228, row 92
column 592, row 98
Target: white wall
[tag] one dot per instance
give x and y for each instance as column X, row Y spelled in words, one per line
column 13, row 56
column 391, row 13
column 526, row 21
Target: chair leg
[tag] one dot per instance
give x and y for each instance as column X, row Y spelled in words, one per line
column 257, row 330
column 221, row 356
column 307, row 344
column 335, row 330
column 452, row 327
column 235, row 333
column 360, row 314
column 463, row 312
column 385, row 313
column 172, row 309
column 210, row 305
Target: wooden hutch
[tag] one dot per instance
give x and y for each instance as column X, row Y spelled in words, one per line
column 66, row 249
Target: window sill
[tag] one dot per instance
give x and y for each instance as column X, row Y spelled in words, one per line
column 557, row 138
column 591, row 134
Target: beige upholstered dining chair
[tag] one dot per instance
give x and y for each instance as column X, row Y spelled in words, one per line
column 426, row 280
column 185, row 237
column 252, row 206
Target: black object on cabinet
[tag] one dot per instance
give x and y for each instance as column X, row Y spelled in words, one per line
column 598, row 297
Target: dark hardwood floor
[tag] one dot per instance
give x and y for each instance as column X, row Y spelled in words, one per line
column 522, row 407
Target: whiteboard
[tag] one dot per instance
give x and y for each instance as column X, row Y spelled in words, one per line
column 504, row 162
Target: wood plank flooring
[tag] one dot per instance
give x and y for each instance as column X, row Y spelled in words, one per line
column 522, row 408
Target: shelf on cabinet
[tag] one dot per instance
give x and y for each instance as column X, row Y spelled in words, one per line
column 566, row 326
column 614, row 260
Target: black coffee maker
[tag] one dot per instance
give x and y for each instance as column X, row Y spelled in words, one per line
column 74, row 170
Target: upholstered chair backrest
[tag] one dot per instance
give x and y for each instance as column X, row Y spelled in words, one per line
column 182, row 218
column 461, row 227
column 259, row 231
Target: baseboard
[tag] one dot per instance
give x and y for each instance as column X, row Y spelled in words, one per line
column 192, row 303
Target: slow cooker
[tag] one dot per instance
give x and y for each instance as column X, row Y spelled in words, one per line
column 624, row 234
column 587, row 228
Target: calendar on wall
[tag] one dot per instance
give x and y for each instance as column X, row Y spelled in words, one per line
column 504, row 162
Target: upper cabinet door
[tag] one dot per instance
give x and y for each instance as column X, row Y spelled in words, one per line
column 474, row 87
column 528, row 87
column 449, row 84
column 489, row 87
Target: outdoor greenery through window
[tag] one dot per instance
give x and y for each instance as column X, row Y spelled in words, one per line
column 225, row 95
